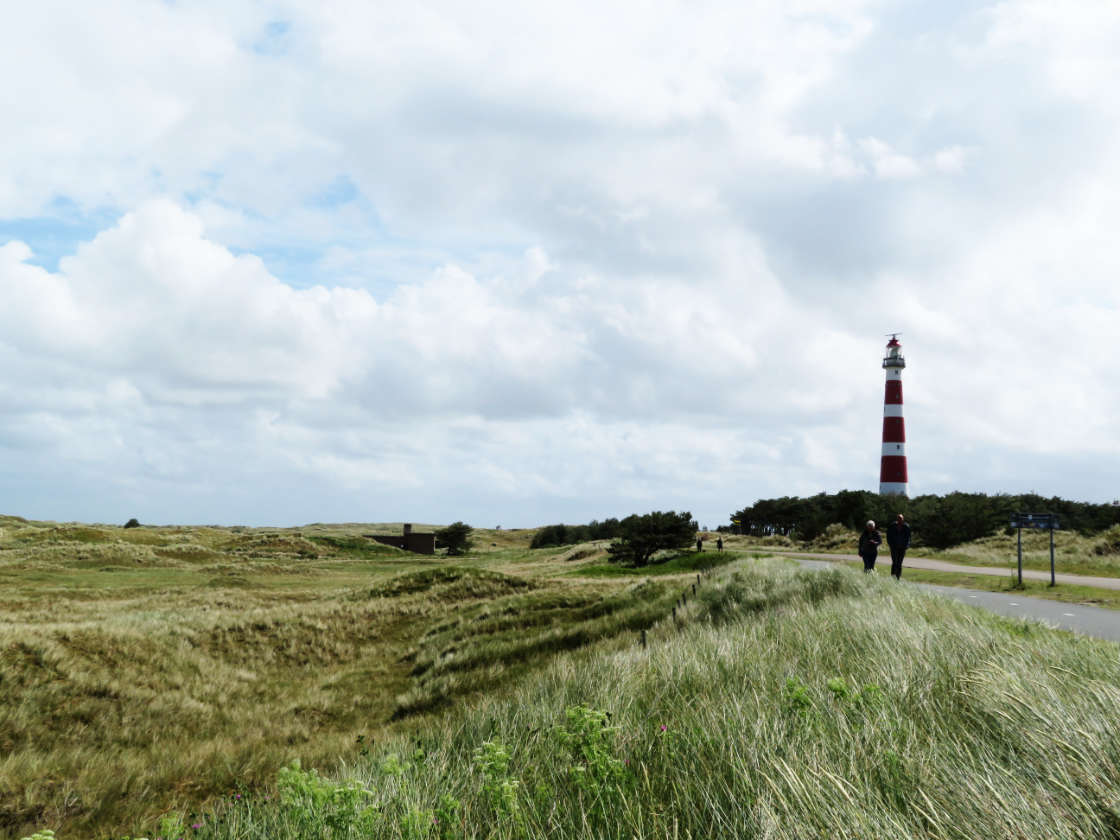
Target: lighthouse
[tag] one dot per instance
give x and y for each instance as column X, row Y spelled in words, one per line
column 892, row 468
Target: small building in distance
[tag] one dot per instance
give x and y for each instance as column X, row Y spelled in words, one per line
column 409, row 541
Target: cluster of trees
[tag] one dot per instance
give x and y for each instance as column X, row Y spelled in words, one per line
column 637, row 538
column 553, row 535
column 939, row 521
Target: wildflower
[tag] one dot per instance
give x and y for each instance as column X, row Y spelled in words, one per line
column 196, row 826
column 663, row 727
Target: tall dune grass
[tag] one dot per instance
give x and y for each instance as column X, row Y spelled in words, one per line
column 155, row 669
column 789, row 704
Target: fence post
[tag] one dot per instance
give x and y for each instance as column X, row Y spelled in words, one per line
column 674, row 613
column 694, row 589
column 643, row 640
column 1019, row 531
column 1052, row 581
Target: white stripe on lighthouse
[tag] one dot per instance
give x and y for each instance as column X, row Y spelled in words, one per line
column 892, row 487
column 894, row 448
column 892, row 410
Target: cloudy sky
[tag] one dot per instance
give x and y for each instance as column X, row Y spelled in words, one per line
column 519, row 263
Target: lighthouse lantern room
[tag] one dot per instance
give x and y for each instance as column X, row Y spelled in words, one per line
column 892, row 468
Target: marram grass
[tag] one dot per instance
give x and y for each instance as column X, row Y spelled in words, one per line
column 786, row 704
column 152, row 670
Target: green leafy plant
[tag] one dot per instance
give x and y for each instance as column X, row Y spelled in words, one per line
column 839, row 688
column 797, row 699
column 172, row 826
column 392, row 765
column 492, row 759
column 313, row 801
column 590, row 739
column 447, row 818
column 417, row 824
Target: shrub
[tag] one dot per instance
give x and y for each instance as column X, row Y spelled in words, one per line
column 1110, row 544
column 132, row 523
column 836, row 536
column 314, row 802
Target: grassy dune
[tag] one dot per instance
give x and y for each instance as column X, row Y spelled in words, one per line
column 157, row 680
column 788, row 704
column 150, row 669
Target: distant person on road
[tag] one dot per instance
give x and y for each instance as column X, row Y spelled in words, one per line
column 719, row 543
column 699, row 543
column 869, row 542
column 898, row 538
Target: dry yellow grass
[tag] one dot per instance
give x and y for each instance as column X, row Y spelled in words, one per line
column 149, row 669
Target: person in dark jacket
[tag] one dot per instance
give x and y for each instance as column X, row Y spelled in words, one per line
column 898, row 538
column 869, row 542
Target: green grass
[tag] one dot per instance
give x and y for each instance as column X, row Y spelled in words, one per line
column 785, row 704
column 690, row 562
column 149, row 669
column 156, row 678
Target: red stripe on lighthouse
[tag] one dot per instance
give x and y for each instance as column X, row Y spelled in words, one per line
column 894, row 430
column 893, row 469
column 894, row 392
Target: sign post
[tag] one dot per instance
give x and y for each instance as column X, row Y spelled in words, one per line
column 1049, row 521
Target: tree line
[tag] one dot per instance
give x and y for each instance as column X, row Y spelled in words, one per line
column 939, row 521
column 637, row 539
column 554, row 535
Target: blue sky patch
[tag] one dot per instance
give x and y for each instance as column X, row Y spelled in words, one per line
column 58, row 233
column 274, row 38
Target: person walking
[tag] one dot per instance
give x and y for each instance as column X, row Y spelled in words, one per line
column 719, row 544
column 898, row 538
column 869, row 542
column 699, row 543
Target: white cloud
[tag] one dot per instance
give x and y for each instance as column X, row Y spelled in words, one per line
column 566, row 255
column 886, row 162
column 950, row 159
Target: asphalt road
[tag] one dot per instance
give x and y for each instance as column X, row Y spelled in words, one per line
column 1092, row 621
column 943, row 566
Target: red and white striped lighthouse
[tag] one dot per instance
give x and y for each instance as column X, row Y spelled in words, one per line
column 892, row 468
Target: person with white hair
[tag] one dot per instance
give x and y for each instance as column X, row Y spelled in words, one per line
column 869, row 542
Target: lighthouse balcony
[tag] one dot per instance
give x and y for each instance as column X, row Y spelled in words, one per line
column 894, row 361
